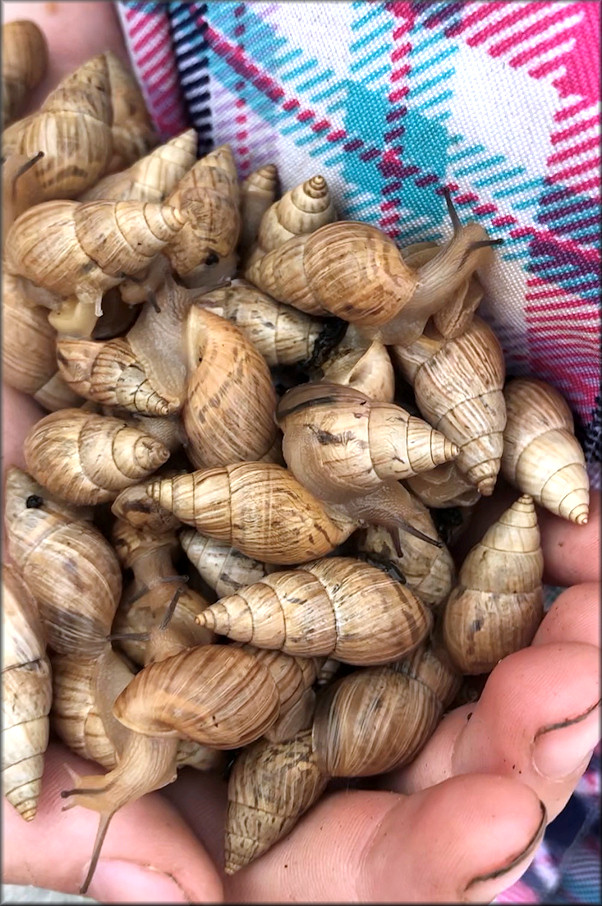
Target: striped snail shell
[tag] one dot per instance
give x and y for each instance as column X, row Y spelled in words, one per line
column 257, row 192
column 24, row 63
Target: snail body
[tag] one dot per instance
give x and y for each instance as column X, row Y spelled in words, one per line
column 257, row 507
column 88, row 458
column 361, row 364
column 458, row 385
column 542, row 456
column 444, row 486
column 334, row 606
column 339, row 443
column 24, row 63
column 257, row 192
column 272, row 784
column 84, row 249
column 497, row 604
column 26, row 695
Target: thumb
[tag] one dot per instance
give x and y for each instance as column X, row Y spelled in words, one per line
column 150, row 855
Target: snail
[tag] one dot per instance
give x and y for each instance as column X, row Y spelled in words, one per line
column 88, row 458
column 149, row 178
column 458, row 385
column 339, row 443
column 379, row 718
column 26, row 695
column 541, row 455
column 361, row 364
column 208, row 196
column 136, row 507
column 355, row 271
column 257, row 507
column 283, row 335
column 228, row 413
column 300, row 211
column 24, row 64
column 29, row 349
column 72, row 129
column 334, row 606
column 497, row 604
column 257, row 192
column 272, row 784
column 444, row 486
column 131, row 128
column 223, row 567
column 83, row 249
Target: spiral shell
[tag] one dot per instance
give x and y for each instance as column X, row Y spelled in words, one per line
column 257, row 192
column 339, row 443
column 458, row 385
column 26, row 695
column 283, row 335
column 228, row 414
column 69, row 566
column 300, row 211
column 444, row 486
column 85, row 249
column 223, row 567
column 217, row 695
column 88, row 458
column 335, row 606
column 131, row 128
column 209, row 197
column 258, row 508
column 497, row 605
column 362, row 365
column 24, row 63
column 271, row 786
column 542, row 456
column 150, row 178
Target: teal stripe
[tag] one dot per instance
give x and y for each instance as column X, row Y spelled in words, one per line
column 503, row 174
column 367, row 39
column 364, row 61
column 514, row 190
column 430, row 83
column 527, row 203
column 481, row 165
column 446, row 52
column 375, row 9
column 328, row 92
column 341, row 104
column 287, row 76
column 467, row 152
column 444, row 96
column 288, row 57
column 431, row 38
column 377, row 73
column 316, row 80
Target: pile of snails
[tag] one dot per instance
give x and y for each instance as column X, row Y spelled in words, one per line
column 223, row 550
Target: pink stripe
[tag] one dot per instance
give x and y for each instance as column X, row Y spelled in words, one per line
column 531, row 52
column 534, row 29
column 483, row 11
column 138, row 20
column 540, row 71
column 160, row 63
column 148, row 36
column 539, row 312
column 561, row 156
column 575, row 108
column 591, row 164
column 575, row 129
column 518, row 13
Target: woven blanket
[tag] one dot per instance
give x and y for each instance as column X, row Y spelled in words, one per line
column 390, row 102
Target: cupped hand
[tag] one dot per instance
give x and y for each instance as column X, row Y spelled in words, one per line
column 460, row 824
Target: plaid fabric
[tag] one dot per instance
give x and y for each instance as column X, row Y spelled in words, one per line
column 391, row 101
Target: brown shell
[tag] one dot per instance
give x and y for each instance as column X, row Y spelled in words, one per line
column 458, row 386
column 259, row 508
column 88, row 458
column 228, row 414
column 272, row 784
column 362, row 364
column 24, row 64
column 26, row 695
column 542, row 457
column 348, row 269
column 223, row 567
column 300, row 211
column 131, row 129
column 257, row 192
column 444, row 486
column 217, row 695
column 335, row 606
column 497, row 605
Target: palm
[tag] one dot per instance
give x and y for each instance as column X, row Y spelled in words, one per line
column 467, row 807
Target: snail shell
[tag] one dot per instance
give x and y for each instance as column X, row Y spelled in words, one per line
column 209, row 197
column 228, row 414
column 131, row 129
column 379, row 718
column 29, row 349
column 85, row 249
column 72, row 128
column 283, row 335
column 272, row 784
column 458, row 386
column 444, row 486
column 150, row 178
column 217, row 695
column 339, row 443
column 335, row 606
column 300, row 211
column 69, row 566
column 497, row 605
column 223, row 567
column 362, row 365
column 88, row 458
column 542, row 456
column 26, row 695
column 24, row 64
column 258, row 508
column 257, row 192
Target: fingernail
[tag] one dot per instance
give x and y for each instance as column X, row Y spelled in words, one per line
column 120, row 881
column 483, row 887
column 560, row 749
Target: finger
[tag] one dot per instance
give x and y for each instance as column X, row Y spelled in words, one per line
column 149, row 854
column 95, row 26
column 464, row 840
column 573, row 617
column 537, row 719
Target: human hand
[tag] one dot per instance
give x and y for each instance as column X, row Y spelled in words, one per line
column 461, row 812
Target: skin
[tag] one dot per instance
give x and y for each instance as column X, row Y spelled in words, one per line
column 460, row 824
